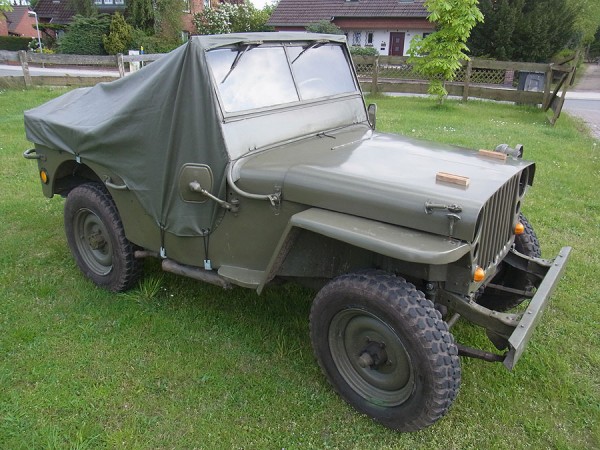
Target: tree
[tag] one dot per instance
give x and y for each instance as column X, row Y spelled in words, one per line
column 84, row 35
column 594, row 46
column 524, row 30
column 119, row 37
column 85, row 8
column 161, row 18
column 229, row 18
column 167, row 19
column 494, row 37
column 324, row 26
column 588, row 19
column 140, row 14
column 438, row 56
column 5, row 5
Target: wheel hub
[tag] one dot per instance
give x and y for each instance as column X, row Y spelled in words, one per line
column 373, row 355
column 93, row 241
column 96, row 240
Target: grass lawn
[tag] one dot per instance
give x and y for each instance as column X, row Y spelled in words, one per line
column 178, row 364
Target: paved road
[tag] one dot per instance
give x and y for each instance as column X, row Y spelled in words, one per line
column 584, row 100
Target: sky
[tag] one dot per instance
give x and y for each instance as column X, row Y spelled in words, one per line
column 260, row 3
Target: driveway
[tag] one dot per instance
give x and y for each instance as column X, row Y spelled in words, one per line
column 584, row 100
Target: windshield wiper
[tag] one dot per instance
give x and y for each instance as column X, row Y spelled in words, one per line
column 315, row 44
column 239, row 56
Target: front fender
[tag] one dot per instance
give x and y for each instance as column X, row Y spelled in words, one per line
column 389, row 240
column 396, row 242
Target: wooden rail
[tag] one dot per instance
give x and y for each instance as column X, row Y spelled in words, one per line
column 27, row 58
column 478, row 78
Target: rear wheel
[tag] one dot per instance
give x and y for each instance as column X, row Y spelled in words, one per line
column 97, row 239
column 528, row 244
column 385, row 349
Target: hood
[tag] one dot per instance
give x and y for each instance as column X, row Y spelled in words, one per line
column 384, row 177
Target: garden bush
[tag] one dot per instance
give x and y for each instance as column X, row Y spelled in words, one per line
column 84, row 35
column 355, row 50
column 13, row 43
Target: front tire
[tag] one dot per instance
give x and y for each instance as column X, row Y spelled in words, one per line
column 385, row 349
column 97, row 239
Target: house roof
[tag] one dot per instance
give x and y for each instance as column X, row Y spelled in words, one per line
column 14, row 17
column 56, row 11
column 303, row 12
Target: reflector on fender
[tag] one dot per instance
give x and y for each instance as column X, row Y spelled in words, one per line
column 44, row 176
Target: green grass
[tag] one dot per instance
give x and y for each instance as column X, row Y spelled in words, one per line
column 178, row 364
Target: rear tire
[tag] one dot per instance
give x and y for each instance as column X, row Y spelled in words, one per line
column 385, row 349
column 97, row 239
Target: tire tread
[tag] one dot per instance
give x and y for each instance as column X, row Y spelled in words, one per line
column 423, row 319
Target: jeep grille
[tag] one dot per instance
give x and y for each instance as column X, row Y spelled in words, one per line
column 497, row 220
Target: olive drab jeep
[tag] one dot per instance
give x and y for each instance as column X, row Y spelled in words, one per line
column 244, row 158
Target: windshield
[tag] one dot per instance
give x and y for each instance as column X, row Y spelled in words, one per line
column 257, row 77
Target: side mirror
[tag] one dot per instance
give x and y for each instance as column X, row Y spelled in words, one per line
column 372, row 114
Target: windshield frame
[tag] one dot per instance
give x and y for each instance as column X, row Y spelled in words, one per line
column 286, row 45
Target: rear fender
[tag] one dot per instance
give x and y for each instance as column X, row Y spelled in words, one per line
column 63, row 171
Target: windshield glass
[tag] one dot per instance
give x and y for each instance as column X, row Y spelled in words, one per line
column 261, row 78
column 321, row 71
column 256, row 77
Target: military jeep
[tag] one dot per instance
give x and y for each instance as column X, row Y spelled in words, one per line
column 245, row 158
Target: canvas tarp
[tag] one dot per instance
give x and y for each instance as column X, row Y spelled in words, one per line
column 146, row 126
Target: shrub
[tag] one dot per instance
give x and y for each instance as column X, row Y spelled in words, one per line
column 120, row 36
column 152, row 44
column 355, row 50
column 34, row 47
column 230, row 18
column 324, row 26
column 14, row 43
column 84, row 35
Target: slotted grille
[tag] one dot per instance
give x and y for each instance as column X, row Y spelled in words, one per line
column 497, row 224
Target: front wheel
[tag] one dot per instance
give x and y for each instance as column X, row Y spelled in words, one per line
column 385, row 349
column 97, row 239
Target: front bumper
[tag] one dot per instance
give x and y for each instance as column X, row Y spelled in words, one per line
column 520, row 336
column 512, row 331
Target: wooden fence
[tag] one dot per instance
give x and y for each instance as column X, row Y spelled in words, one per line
column 492, row 80
column 27, row 80
column 478, row 78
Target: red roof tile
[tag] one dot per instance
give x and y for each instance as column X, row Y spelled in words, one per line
column 303, row 12
column 56, row 11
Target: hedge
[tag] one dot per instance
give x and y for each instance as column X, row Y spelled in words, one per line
column 14, row 43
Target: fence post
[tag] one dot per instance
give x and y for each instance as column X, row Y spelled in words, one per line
column 547, row 88
column 25, row 67
column 120, row 65
column 467, row 81
column 374, row 87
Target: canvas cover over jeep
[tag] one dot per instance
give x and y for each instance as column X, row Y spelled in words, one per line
column 146, row 126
